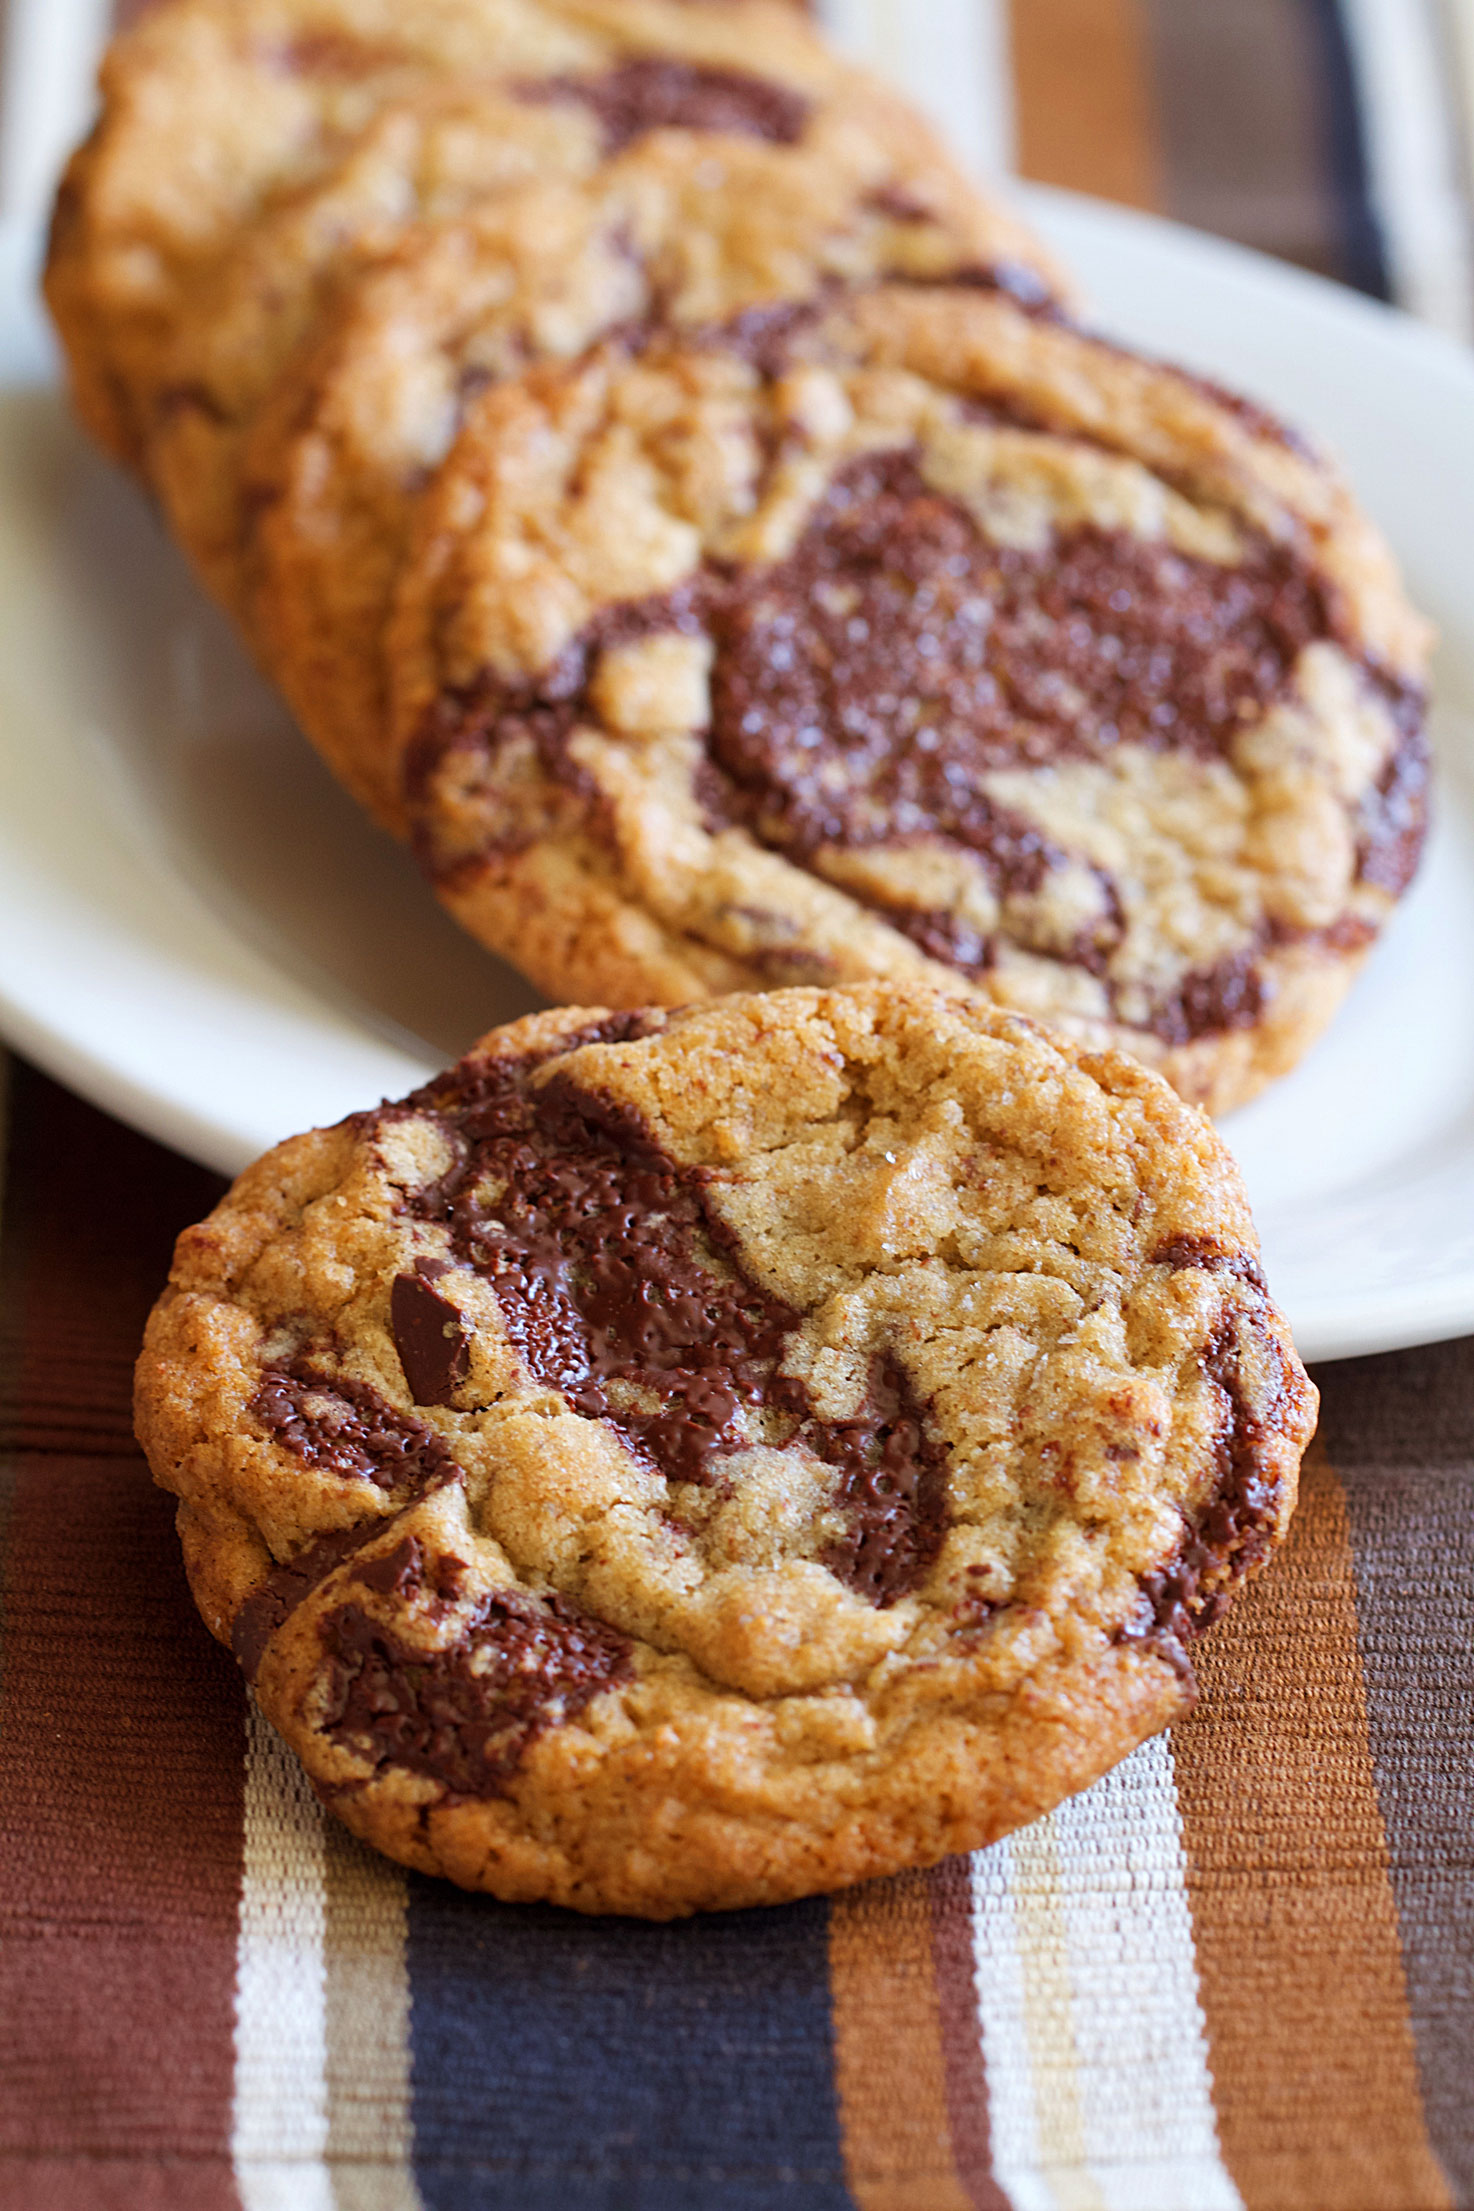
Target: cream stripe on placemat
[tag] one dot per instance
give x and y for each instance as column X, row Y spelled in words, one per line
column 280, row 2128
column 1024, row 2023
column 1140, row 2039
column 1091, row 2028
column 322, row 2089
column 950, row 56
column 367, row 2019
column 1457, row 42
column 1412, row 157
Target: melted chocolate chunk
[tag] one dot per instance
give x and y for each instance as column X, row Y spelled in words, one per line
column 650, row 94
column 1234, row 1533
column 285, row 1587
column 1394, row 813
column 1199, row 1251
column 621, row 1288
column 429, row 1335
column 601, row 1255
column 864, row 687
column 467, row 1715
column 1206, row 1001
column 766, row 336
column 339, row 1426
column 403, row 1572
column 892, row 1491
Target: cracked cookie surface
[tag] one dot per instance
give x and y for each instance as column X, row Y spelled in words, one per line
column 252, row 153
column 925, row 634
column 683, row 230
column 217, row 113
column 685, row 1460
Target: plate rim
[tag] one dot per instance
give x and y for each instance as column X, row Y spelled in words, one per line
column 1334, row 1328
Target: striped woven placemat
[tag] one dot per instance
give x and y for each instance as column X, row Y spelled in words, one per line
column 1238, row 1972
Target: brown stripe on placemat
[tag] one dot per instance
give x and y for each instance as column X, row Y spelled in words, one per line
column 1401, row 1430
column 954, row 1962
column 111, row 2184
column 94, row 1210
column 366, row 2021
column 1085, row 115
column 890, row 2059
column 121, row 1736
column 121, row 1750
column 1315, row 2078
column 1251, row 123
column 12, row 1269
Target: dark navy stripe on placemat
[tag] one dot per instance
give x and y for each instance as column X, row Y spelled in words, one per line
column 568, row 2064
column 1260, row 133
column 1363, row 253
column 1401, row 1432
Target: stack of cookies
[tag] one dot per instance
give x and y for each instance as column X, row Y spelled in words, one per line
column 692, row 1458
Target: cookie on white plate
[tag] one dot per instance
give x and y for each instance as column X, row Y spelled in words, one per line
column 918, row 634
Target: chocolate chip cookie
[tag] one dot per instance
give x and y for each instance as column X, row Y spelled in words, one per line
column 918, row 634
column 250, row 150
column 685, row 229
column 215, row 112
column 685, row 1460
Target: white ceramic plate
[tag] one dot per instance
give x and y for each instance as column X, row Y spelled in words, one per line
column 199, row 932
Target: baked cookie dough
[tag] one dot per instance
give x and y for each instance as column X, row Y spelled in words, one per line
column 683, row 230
column 685, row 1460
column 249, row 150
column 920, row 634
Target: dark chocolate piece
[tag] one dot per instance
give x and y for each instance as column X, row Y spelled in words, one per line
column 466, row 1715
column 1207, row 1001
column 863, row 684
column 766, row 335
column 430, row 1337
column 863, row 687
column 403, row 1572
column 340, row 1426
column 1394, row 813
column 284, row 1589
column 892, row 1490
column 1235, row 1531
column 648, row 94
column 621, row 1288
column 1198, row 1251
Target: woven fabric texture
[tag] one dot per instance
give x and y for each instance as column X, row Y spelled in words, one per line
column 1239, row 1972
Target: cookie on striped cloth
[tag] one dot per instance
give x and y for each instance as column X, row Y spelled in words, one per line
column 923, row 634
column 675, row 1461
